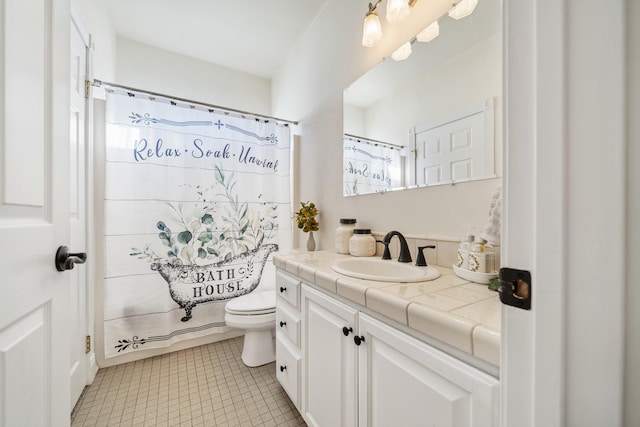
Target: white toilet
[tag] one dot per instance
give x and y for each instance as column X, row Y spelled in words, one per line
column 256, row 314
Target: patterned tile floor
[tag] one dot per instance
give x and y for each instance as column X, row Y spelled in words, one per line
column 201, row 386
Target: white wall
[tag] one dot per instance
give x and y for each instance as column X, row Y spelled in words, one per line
column 95, row 17
column 129, row 63
column 308, row 88
column 632, row 297
column 157, row 70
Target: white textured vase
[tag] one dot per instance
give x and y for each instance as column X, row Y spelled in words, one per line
column 311, row 243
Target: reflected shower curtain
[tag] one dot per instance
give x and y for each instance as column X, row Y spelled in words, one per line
column 370, row 167
column 195, row 203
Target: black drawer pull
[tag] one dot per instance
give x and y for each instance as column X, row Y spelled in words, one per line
column 282, row 368
column 283, row 289
column 282, row 324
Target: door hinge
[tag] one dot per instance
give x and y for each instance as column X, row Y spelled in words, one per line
column 87, row 89
column 87, row 344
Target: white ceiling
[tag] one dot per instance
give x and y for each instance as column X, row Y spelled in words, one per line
column 253, row 36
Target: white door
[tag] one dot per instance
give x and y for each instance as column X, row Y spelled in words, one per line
column 329, row 387
column 34, row 212
column 563, row 220
column 77, row 220
column 452, row 152
column 457, row 149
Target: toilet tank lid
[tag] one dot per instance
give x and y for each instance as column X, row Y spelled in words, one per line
column 253, row 302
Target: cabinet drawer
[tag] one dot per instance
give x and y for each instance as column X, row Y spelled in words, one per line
column 288, row 288
column 287, row 368
column 288, row 323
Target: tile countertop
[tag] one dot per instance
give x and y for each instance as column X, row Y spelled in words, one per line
column 460, row 313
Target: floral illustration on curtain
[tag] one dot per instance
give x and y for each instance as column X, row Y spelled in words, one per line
column 195, row 197
column 370, row 167
column 217, row 251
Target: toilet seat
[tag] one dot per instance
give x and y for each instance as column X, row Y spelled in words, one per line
column 255, row 303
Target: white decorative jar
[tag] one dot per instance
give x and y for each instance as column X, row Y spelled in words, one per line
column 362, row 243
column 343, row 234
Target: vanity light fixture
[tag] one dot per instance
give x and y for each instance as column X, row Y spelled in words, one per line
column 402, row 52
column 372, row 32
column 426, row 35
column 429, row 33
column 463, row 8
column 397, row 11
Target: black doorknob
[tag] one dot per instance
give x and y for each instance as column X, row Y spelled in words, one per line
column 65, row 260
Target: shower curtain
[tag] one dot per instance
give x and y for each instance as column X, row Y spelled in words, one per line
column 370, row 166
column 195, row 203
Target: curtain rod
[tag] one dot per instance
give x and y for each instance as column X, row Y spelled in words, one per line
column 99, row 83
column 369, row 140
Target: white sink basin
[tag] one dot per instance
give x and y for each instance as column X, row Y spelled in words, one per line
column 384, row 270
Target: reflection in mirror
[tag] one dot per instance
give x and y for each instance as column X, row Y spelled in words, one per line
column 442, row 105
column 370, row 166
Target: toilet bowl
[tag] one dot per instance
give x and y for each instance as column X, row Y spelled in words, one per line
column 256, row 314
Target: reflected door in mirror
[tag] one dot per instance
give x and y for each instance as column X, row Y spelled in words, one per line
column 460, row 149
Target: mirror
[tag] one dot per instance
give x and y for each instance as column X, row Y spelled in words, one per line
column 433, row 118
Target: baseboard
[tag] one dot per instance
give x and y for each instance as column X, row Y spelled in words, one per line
column 92, row 367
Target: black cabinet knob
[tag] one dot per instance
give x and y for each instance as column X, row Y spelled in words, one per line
column 282, row 289
column 282, row 368
column 282, row 324
column 346, row 331
column 358, row 339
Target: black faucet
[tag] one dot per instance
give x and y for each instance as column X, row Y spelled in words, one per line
column 405, row 255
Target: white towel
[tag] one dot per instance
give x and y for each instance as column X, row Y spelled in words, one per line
column 492, row 232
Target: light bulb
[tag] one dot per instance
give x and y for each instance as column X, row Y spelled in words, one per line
column 372, row 31
column 429, row 33
column 463, row 8
column 402, row 52
column 397, row 10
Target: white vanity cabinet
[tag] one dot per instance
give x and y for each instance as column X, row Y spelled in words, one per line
column 389, row 379
column 288, row 355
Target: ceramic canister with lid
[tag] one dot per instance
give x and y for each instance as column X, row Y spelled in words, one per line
column 481, row 256
column 343, row 234
column 362, row 243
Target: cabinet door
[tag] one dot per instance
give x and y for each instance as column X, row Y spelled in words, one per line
column 405, row 382
column 329, row 384
column 288, row 368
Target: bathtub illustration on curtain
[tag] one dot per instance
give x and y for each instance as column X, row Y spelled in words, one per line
column 190, row 285
column 215, row 252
